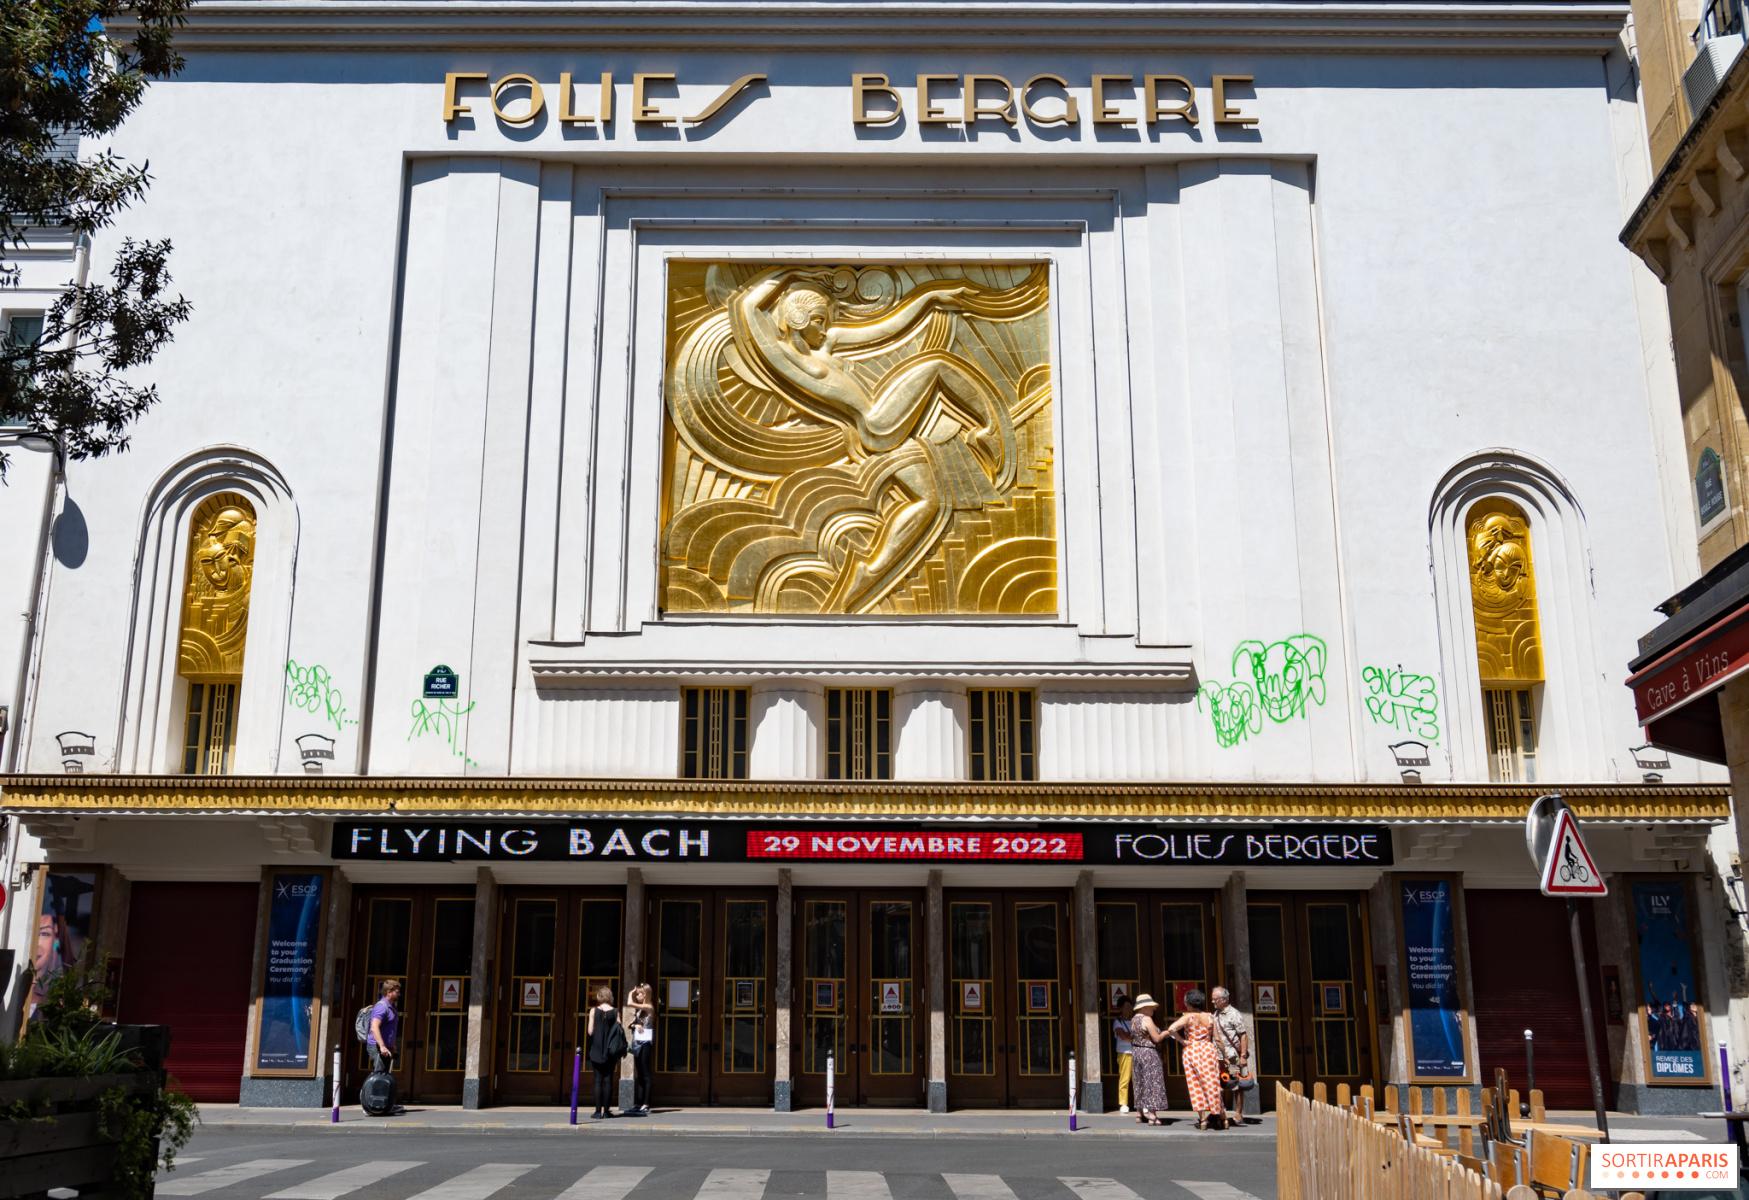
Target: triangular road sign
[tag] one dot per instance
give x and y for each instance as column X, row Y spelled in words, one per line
column 1569, row 869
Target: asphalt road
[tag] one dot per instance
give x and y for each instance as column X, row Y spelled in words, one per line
column 598, row 1163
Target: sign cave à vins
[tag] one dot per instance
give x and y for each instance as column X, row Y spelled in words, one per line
column 755, row 841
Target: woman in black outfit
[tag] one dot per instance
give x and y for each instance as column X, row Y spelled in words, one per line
column 603, row 1020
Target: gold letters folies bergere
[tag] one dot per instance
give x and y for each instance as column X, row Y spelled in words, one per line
column 871, row 438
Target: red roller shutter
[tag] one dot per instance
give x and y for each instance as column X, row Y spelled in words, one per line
column 189, row 949
column 1521, row 962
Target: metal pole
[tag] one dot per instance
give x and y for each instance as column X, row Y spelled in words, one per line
column 1585, row 1018
column 1733, row 1129
column 1529, row 1071
column 335, row 1119
column 831, row 1089
column 576, row 1079
column 1072, row 1082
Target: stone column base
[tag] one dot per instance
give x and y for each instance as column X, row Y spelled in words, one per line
column 285, row 1093
column 1093, row 1096
column 782, row 1096
column 470, row 1093
column 938, row 1095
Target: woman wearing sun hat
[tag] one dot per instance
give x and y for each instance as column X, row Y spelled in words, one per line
column 1149, row 1074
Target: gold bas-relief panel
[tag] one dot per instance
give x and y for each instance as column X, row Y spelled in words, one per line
column 215, row 601
column 1503, row 591
column 870, row 438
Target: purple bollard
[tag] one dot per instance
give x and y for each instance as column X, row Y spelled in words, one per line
column 576, row 1080
column 1732, row 1128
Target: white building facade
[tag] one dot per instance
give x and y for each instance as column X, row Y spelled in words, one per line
column 893, row 526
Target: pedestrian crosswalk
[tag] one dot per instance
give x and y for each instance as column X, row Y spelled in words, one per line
column 412, row 1179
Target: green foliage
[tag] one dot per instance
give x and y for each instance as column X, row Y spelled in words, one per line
column 144, row 1127
column 66, row 1037
column 63, row 71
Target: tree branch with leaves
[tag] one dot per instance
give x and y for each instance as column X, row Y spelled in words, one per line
column 64, row 73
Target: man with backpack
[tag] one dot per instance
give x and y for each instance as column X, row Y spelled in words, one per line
column 379, row 1027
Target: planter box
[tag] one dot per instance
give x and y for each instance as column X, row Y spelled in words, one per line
column 65, row 1148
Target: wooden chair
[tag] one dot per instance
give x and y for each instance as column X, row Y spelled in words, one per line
column 1556, row 1163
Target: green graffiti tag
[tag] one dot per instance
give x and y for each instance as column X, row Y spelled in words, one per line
column 1402, row 700
column 443, row 721
column 1233, row 707
column 1279, row 680
column 311, row 688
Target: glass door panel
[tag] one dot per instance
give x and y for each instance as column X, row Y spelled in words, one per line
column 424, row 938
column 448, row 986
column 1330, row 953
column 1272, row 1007
column 534, row 951
column 679, row 968
column 1038, row 1006
column 825, row 991
column 891, row 990
column 388, row 942
column 972, row 1002
column 745, row 986
column 1309, row 1001
column 1184, row 966
column 859, row 982
column 601, row 929
column 712, row 953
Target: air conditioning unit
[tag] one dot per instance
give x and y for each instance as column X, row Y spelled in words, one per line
column 1709, row 67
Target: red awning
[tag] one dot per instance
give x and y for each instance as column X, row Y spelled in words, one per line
column 1676, row 694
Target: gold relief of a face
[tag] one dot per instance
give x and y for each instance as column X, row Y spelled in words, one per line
column 215, row 611
column 1503, row 594
column 871, row 439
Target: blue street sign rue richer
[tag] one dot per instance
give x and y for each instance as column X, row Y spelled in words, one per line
column 441, row 683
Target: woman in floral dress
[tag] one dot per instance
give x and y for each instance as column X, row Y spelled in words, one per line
column 1195, row 1030
column 1149, row 1075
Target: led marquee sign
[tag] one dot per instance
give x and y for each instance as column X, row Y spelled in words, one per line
column 773, row 841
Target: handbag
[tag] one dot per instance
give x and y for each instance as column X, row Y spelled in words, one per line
column 1242, row 1081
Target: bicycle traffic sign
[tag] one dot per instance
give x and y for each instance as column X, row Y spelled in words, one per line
column 1569, row 869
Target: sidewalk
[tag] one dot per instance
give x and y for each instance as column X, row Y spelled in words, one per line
column 738, row 1122
column 889, row 1122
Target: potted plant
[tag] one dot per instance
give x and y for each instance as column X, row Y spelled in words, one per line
column 85, row 1103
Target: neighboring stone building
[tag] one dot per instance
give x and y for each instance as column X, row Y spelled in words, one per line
column 892, row 547
column 1691, row 227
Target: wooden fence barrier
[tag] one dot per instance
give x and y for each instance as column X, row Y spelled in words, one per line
column 1328, row 1153
column 1325, row 1152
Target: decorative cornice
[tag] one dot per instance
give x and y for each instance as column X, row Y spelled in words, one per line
column 274, row 26
column 360, row 795
column 1698, row 151
column 1178, row 674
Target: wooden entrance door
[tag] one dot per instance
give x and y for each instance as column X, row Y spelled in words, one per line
column 1010, row 1000
column 711, row 956
column 859, row 996
column 556, row 946
column 424, row 937
column 1162, row 943
column 1309, row 988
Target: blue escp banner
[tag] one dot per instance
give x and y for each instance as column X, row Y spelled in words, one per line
column 1436, row 1029
column 1668, row 991
column 288, row 993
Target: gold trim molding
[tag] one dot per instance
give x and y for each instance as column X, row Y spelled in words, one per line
column 182, row 794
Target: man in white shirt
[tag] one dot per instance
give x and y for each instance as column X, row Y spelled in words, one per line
column 1233, row 1041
